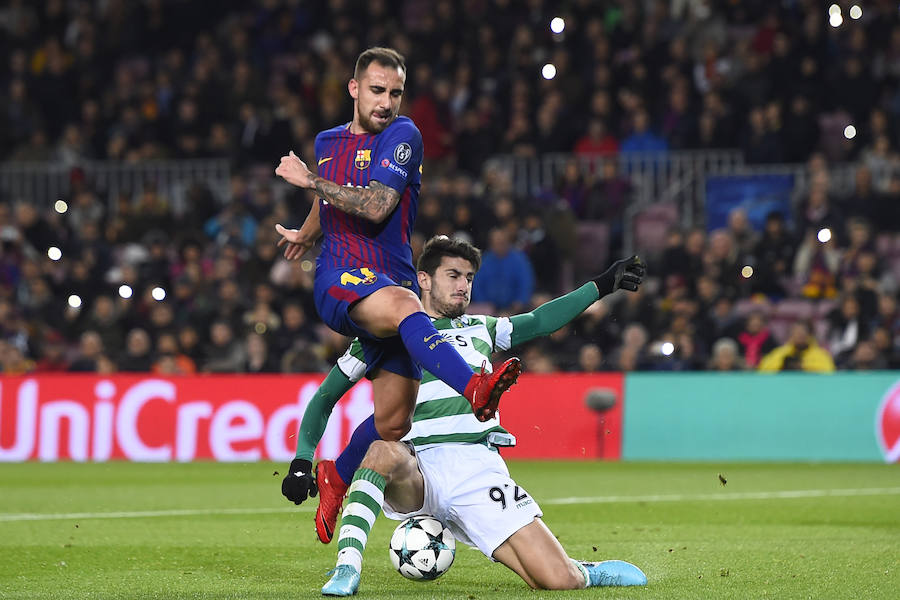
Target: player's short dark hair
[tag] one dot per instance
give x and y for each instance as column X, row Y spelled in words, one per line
column 386, row 57
column 440, row 246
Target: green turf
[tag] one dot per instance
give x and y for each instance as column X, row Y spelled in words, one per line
column 689, row 544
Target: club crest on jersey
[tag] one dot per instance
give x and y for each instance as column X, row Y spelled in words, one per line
column 402, row 153
column 363, row 158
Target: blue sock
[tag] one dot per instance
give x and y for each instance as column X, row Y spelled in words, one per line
column 351, row 457
column 433, row 352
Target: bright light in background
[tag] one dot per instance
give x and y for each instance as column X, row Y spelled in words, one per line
column 557, row 25
column 60, row 206
column 855, row 12
column 158, row 294
column 54, row 253
column 125, row 291
column 824, row 235
column 834, row 9
column 75, row 301
column 835, row 19
column 747, row 272
column 849, row 132
column 667, row 348
column 549, row 71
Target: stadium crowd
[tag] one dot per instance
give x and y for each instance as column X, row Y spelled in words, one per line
column 135, row 81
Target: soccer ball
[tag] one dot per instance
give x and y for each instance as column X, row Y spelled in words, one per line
column 422, row 548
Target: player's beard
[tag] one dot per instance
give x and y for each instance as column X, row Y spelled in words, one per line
column 371, row 125
column 449, row 310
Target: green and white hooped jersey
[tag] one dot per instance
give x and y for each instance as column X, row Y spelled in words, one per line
column 442, row 415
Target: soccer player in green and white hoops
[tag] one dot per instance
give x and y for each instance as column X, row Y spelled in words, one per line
column 448, row 465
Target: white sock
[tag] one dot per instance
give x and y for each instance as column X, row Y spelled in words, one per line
column 584, row 573
column 352, row 557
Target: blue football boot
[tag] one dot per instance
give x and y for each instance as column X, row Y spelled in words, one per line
column 614, row 573
column 344, row 582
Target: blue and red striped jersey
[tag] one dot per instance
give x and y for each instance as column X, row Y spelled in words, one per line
column 393, row 158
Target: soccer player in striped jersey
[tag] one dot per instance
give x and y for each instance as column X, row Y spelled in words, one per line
column 365, row 283
column 469, row 487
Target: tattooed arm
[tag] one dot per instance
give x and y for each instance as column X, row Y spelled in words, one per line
column 374, row 203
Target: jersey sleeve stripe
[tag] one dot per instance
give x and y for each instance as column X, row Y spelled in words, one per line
column 443, row 407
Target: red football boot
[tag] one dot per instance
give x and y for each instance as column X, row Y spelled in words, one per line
column 485, row 389
column 332, row 490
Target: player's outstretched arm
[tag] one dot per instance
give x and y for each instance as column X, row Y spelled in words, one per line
column 624, row 274
column 298, row 483
column 374, row 203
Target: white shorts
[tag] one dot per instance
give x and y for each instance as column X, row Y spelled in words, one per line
column 468, row 488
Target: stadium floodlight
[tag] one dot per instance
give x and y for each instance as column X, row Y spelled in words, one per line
column 667, row 348
column 849, row 132
column 75, row 301
column 60, row 206
column 855, row 12
column 54, row 253
column 835, row 19
column 824, row 235
column 158, row 294
column 834, row 9
column 557, row 25
column 125, row 291
column 747, row 272
column 549, row 71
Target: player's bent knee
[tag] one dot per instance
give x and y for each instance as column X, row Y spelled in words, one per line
column 393, row 430
column 383, row 456
column 405, row 304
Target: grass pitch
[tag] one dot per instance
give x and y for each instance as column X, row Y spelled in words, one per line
column 204, row 530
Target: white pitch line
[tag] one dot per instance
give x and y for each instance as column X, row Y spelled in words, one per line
column 188, row 512
column 775, row 495
column 140, row 514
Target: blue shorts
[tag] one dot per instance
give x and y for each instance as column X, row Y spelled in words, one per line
column 335, row 292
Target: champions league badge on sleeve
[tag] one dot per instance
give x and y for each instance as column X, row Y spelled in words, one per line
column 402, row 153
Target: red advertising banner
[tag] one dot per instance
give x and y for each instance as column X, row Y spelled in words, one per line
column 550, row 418
column 248, row 418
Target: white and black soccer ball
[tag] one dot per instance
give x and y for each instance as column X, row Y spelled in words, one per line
column 422, row 548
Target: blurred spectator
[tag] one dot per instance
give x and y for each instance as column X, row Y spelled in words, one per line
column 773, row 258
column 641, row 138
column 170, row 359
column 846, row 327
column 505, row 279
column 801, row 352
column 90, row 348
column 755, row 339
column 258, row 359
column 725, row 356
column 867, row 358
column 138, row 357
column 597, row 142
column 590, row 358
column 815, row 266
column 224, row 354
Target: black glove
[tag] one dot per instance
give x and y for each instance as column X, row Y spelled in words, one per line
column 624, row 274
column 299, row 482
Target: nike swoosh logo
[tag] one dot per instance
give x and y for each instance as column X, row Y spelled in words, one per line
column 324, row 160
column 431, row 336
column 299, row 474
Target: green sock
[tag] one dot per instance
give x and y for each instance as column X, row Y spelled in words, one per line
column 364, row 500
